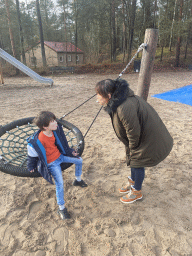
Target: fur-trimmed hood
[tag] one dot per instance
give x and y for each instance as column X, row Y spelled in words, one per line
column 119, row 96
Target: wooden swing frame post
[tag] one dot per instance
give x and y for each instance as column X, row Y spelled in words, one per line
column 1, row 74
column 147, row 63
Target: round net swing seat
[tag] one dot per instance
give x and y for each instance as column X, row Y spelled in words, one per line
column 13, row 145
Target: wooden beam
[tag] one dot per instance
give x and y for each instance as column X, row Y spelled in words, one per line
column 1, row 74
column 147, row 63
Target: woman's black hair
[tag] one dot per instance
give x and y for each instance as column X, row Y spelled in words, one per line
column 105, row 87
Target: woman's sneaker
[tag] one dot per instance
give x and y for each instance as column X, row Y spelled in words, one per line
column 64, row 214
column 132, row 196
column 127, row 187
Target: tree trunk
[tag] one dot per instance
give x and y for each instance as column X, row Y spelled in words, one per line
column 161, row 58
column 177, row 60
column 186, row 46
column 131, row 31
column 154, row 14
column 123, row 37
column 41, row 34
column 10, row 32
column 76, row 30
column 1, row 40
column 75, row 7
column 173, row 21
column 10, row 29
column 20, row 32
column 113, row 31
column 65, row 31
column 178, row 46
column 189, row 33
column 46, row 28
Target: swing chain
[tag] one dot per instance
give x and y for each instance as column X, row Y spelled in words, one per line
column 141, row 47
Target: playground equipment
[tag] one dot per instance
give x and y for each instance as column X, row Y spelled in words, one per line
column 147, row 63
column 6, row 56
column 13, row 145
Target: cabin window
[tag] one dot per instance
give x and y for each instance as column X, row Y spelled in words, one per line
column 61, row 58
column 69, row 57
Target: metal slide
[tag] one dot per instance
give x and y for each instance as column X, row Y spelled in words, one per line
column 6, row 56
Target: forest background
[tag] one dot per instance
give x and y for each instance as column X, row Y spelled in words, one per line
column 108, row 31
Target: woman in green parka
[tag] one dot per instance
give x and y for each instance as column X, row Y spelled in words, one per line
column 136, row 123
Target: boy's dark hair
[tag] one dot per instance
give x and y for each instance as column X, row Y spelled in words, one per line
column 105, row 87
column 43, row 119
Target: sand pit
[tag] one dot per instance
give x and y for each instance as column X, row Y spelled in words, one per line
column 158, row 225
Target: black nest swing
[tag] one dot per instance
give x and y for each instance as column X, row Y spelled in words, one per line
column 13, row 145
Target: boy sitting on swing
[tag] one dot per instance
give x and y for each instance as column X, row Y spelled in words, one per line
column 47, row 149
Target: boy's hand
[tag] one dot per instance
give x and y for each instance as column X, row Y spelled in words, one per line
column 75, row 153
column 32, row 170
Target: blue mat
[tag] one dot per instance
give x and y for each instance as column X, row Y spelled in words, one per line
column 182, row 95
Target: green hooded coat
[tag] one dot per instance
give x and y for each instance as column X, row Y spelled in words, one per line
column 139, row 127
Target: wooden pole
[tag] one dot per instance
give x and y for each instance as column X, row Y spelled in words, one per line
column 147, row 63
column 1, row 72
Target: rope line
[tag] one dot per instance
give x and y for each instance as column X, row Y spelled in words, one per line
column 89, row 127
column 77, row 107
column 93, row 122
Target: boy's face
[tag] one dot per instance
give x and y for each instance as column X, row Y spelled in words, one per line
column 52, row 126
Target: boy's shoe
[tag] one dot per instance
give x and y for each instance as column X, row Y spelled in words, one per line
column 127, row 187
column 64, row 214
column 79, row 183
column 132, row 196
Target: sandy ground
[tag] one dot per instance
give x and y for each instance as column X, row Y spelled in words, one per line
column 159, row 224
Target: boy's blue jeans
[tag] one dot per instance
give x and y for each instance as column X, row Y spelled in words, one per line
column 138, row 175
column 55, row 169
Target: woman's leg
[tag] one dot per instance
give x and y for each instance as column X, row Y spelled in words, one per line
column 137, row 175
column 135, row 192
column 133, row 174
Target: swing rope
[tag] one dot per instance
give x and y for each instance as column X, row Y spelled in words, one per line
column 93, row 121
column 77, row 107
